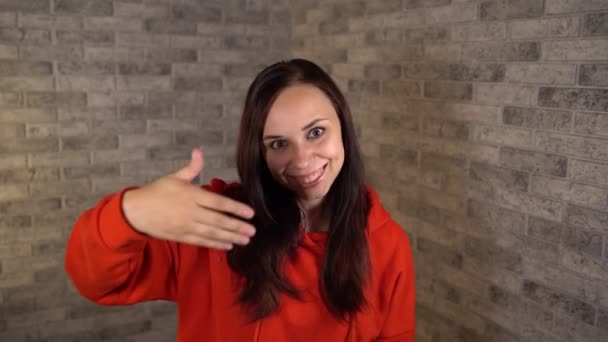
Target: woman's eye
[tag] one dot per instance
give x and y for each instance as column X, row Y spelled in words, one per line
column 316, row 132
column 277, row 144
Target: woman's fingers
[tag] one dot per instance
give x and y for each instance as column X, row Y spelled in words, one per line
column 218, row 219
column 201, row 241
column 216, row 202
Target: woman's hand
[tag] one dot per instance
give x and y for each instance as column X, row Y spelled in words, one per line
column 171, row 208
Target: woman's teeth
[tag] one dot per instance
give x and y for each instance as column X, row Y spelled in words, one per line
column 310, row 178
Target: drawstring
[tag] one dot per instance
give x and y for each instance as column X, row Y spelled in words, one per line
column 256, row 334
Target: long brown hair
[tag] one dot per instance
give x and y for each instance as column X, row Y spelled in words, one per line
column 346, row 265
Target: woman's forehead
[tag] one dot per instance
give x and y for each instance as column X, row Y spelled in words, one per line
column 299, row 104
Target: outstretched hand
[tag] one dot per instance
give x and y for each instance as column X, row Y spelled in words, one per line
column 172, row 208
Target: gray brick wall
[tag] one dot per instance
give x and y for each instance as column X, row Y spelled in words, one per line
column 96, row 95
column 485, row 128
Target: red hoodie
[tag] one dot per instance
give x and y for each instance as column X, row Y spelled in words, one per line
column 112, row 264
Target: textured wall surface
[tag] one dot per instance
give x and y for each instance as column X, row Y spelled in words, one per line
column 485, row 127
column 96, row 95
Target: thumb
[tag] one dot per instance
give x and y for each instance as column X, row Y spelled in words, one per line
column 194, row 168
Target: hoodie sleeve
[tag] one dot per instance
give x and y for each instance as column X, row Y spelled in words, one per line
column 400, row 323
column 111, row 263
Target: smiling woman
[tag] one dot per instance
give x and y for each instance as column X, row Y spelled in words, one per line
column 311, row 253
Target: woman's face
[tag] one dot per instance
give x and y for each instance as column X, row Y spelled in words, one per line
column 303, row 142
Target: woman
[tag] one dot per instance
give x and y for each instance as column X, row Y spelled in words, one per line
column 300, row 250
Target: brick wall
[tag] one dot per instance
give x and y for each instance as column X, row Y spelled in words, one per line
column 96, row 95
column 485, row 128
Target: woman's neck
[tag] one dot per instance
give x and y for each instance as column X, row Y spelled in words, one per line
column 314, row 219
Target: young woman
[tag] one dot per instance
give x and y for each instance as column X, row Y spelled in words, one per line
column 300, row 250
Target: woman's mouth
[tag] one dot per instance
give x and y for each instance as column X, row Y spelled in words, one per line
column 309, row 179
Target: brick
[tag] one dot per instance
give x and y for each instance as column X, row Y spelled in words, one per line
column 59, row 159
column 508, row 94
column 197, row 13
column 574, row 98
column 86, row 68
column 12, row 131
column 383, row 37
column 537, row 118
column 495, row 52
column 205, row 138
column 116, row 24
column 503, row 136
column 21, row 175
column 439, row 254
column 30, row 145
column 533, row 161
column 589, row 171
column 436, row 71
column 510, row 9
column 569, row 6
column 89, row 82
column 142, row 83
column 402, row 88
column 88, row 7
column 46, row 21
column 108, row 98
column 141, row 140
column 12, row 161
column 62, row 129
column 595, row 24
column 591, row 123
column 577, row 193
column 445, row 128
column 246, row 42
column 544, row 28
column 333, row 26
column 449, row 91
column 479, row 31
column 593, row 220
column 144, row 69
column 87, row 143
column 139, row 10
column 29, row 206
column 144, row 112
column 8, row 19
column 583, row 264
column 60, row 189
column 15, row 250
column 481, row 72
column 197, row 84
column 572, row 145
column 543, row 229
column 593, row 74
column 426, row 34
column 71, row 113
column 170, row 26
column 425, row 3
column 26, row 6
column 118, row 127
column 583, row 241
column 53, row 52
column 400, row 19
column 27, row 36
column 56, row 99
column 14, row 192
column 441, row 52
column 559, row 301
column 121, row 155
column 209, row 70
column 574, row 50
column 153, row 168
column 541, row 73
column 451, row 14
column 113, row 54
column 391, row 121
column 483, row 252
column 85, row 37
column 135, row 39
column 26, row 83
column 382, row 72
column 499, row 177
column 9, row 99
column 364, row 86
column 25, row 68
column 172, row 55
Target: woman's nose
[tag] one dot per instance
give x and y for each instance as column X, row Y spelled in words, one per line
column 301, row 157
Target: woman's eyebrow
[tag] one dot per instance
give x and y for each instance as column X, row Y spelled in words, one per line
column 314, row 122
